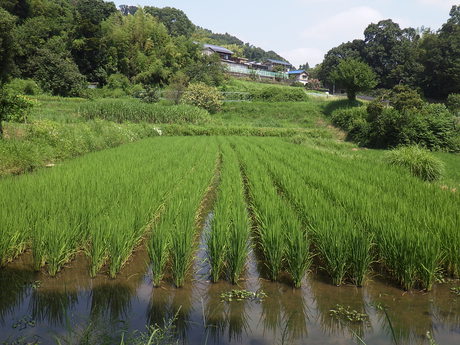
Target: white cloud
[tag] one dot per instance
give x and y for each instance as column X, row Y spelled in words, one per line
column 344, row 26
column 300, row 56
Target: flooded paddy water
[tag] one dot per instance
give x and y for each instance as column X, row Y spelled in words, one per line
column 36, row 308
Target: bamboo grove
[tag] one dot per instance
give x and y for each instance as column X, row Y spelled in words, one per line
column 297, row 208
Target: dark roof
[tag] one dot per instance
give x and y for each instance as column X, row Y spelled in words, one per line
column 299, row 71
column 279, row 62
column 218, row 49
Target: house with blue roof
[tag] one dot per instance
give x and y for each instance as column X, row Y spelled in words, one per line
column 300, row 76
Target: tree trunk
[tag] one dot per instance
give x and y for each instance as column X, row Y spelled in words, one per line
column 351, row 94
column 1, row 128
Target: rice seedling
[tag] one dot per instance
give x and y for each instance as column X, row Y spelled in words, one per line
column 402, row 212
column 280, row 235
column 228, row 239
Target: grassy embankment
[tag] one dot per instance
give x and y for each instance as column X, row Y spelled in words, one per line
column 61, row 128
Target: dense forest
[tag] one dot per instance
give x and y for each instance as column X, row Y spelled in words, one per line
column 426, row 60
column 63, row 44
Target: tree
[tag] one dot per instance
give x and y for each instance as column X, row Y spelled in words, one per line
column 175, row 20
column 305, row 67
column 440, row 57
column 126, row 9
column 354, row 76
column 7, row 46
column 389, row 50
column 354, row 50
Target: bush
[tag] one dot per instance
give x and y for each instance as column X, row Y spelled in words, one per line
column 453, row 103
column 404, row 98
column 149, row 94
column 135, row 111
column 24, row 87
column 15, row 108
column 279, row 94
column 353, row 120
column 420, row 162
column 118, row 81
column 203, row 96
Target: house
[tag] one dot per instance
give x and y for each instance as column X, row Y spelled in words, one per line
column 224, row 53
column 300, row 75
column 277, row 65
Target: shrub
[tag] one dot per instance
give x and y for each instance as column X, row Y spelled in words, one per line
column 118, row 81
column 346, row 117
column 203, row 96
column 149, row 94
column 279, row 94
column 24, row 87
column 453, row 103
column 15, row 108
column 420, row 162
column 404, row 98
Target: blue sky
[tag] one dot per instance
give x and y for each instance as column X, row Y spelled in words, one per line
column 304, row 30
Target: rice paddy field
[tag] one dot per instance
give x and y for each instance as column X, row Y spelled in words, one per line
column 345, row 248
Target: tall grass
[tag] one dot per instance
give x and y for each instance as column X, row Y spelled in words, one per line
column 420, row 162
column 130, row 110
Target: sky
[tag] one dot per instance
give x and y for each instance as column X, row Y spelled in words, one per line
column 304, row 30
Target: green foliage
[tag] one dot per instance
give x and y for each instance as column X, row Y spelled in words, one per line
column 47, row 141
column 278, row 94
column 135, row 111
column 149, row 94
column 15, row 108
column 118, row 81
column 404, row 98
column 175, row 20
column 7, row 45
column 23, row 87
column 57, row 73
column 354, row 76
column 203, row 96
column 453, row 103
column 420, row 162
column 432, row 126
column 206, row 69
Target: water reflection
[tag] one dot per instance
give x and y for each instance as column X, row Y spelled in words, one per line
column 286, row 316
column 14, row 287
column 327, row 298
column 111, row 301
column 52, row 307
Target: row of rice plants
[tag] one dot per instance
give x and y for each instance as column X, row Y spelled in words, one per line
column 173, row 237
column 280, row 234
column 414, row 224
column 344, row 250
column 101, row 202
column 227, row 241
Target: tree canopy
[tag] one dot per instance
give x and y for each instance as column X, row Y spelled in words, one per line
column 354, row 76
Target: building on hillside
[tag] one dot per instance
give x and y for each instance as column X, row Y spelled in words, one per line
column 300, row 76
column 278, row 65
column 224, row 53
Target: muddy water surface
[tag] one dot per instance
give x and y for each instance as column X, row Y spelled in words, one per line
column 36, row 308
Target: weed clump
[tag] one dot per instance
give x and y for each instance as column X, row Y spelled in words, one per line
column 420, row 162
